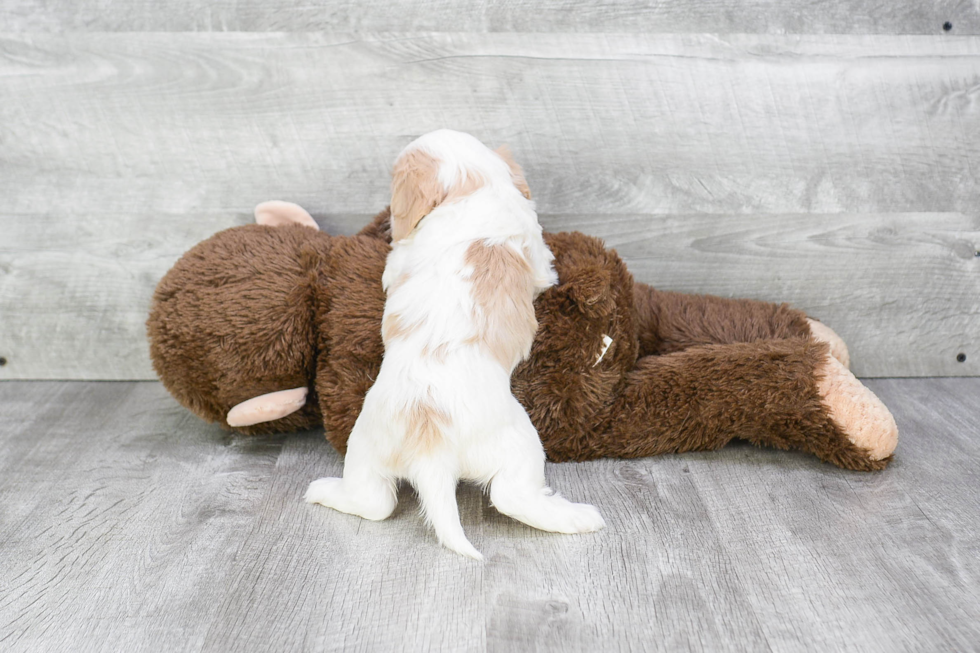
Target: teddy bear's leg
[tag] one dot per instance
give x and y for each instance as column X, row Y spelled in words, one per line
column 789, row 394
column 670, row 322
column 857, row 410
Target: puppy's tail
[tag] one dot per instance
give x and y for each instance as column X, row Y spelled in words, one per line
column 437, row 494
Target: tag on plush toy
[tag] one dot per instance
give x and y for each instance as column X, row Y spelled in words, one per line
column 606, row 341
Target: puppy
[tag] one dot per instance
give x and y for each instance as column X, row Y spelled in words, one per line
column 466, row 263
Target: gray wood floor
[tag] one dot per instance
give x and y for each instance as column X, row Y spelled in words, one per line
column 128, row 525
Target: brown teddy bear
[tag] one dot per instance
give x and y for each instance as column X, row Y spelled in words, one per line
column 279, row 324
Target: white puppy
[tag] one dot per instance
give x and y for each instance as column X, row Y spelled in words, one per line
column 459, row 317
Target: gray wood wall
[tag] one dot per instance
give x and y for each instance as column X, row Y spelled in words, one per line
column 821, row 153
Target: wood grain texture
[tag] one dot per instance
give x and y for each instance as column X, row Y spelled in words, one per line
column 127, row 524
column 178, row 123
column 120, row 151
column 75, row 289
column 709, row 16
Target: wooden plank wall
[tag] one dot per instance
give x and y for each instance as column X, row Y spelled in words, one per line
column 825, row 154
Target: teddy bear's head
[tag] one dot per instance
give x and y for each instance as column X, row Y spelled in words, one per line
column 258, row 309
column 585, row 344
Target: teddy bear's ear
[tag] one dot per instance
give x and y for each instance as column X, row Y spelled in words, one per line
column 267, row 407
column 589, row 287
column 415, row 191
column 276, row 213
column 516, row 173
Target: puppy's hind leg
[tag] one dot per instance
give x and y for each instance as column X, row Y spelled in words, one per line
column 518, row 489
column 436, row 487
column 364, row 490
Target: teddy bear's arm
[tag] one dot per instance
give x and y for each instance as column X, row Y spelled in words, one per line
column 669, row 322
column 672, row 321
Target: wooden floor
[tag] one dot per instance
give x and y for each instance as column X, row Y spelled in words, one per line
column 128, row 525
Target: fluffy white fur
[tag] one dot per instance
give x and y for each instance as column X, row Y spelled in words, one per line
column 436, row 359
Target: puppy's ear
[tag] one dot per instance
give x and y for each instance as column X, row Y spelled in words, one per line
column 415, row 191
column 515, row 171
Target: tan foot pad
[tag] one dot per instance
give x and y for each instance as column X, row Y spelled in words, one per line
column 857, row 411
column 268, row 407
column 824, row 333
column 276, row 213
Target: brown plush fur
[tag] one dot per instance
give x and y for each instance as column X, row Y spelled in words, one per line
column 238, row 306
column 257, row 309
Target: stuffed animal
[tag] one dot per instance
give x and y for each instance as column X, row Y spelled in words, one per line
column 276, row 327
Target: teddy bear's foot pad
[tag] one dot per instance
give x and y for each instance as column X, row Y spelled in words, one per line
column 823, row 333
column 267, row 407
column 858, row 412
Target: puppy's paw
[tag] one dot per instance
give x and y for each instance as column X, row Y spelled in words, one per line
column 325, row 491
column 580, row 518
